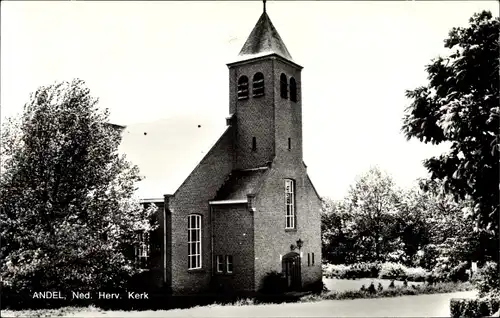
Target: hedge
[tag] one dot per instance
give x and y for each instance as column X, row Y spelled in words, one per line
column 473, row 308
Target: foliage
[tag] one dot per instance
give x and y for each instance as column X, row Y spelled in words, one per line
column 371, row 201
column 273, row 283
column 397, row 271
column 338, row 234
column 68, row 211
column 380, row 287
column 391, row 285
column 459, row 273
column 386, row 270
column 487, row 279
column 460, row 106
column 371, row 288
column 423, row 227
column 393, row 271
column 358, row 270
column 482, row 307
column 415, row 274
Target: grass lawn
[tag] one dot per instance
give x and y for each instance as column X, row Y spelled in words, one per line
column 341, row 285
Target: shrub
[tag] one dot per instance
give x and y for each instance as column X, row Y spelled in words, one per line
column 371, row 288
column 405, row 283
column 392, row 271
column 273, row 283
column 416, row 274
column 363, row 288
column 358, row 270
column 440, row 274
column 380, row 287
column 391, row 285
column 316, row 287
column 473, row 307
column 335, row 271
column 459, row 273
column 487, row 279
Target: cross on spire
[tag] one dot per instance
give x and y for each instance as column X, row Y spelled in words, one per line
column 264, row 2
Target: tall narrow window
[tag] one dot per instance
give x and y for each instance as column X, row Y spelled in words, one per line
column 289, row 143
column 290, row 203
column 254, row 143
column 283, row 86
column 194, row 241
column 313, row 258
column 219, row 264
column 229, row 264
column 293, row 90
column 243, row 87
column 258, row 84
column 142, row 250
column 308, row 259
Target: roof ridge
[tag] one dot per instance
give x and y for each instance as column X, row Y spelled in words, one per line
column 254, row 169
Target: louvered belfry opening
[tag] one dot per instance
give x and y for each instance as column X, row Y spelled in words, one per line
column 258, row 85
column 243, row 87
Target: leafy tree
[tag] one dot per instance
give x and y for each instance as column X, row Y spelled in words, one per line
column 451, row 235
column 68, row 211
column 412, row 224
column 460, row 105
column 372, row 202
column 338, row 233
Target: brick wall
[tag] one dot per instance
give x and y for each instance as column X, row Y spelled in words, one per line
column 255, row 115
column 192, row 198
column 288, row 115
column 271, row 238
column 233, row 235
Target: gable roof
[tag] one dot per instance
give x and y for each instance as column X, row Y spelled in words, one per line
column 264, row 39
column 240, row 183
column 167, row 150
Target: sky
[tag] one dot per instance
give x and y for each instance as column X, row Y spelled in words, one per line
column 149, row 61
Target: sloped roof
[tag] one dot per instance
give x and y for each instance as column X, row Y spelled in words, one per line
column 264, row 39
column 167, row 150
column 240, row 183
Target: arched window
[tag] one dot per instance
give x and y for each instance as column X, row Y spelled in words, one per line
column 283, row 86
column 258, row 85
column 243, row 87
column 293, row 90
column 194, row 241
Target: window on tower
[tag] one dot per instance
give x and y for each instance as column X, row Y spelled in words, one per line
column 243, row 87
column 258, row 85
column 293, row 90
column 290, row 204
column 254, row 144
column 283, row 86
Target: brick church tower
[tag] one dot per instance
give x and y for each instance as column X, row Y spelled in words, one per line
column 265, row 98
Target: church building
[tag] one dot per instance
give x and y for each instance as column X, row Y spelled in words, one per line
column 249, row 207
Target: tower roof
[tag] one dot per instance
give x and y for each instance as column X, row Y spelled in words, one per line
column 264, row 39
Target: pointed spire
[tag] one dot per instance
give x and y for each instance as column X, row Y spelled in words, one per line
column 264, row 39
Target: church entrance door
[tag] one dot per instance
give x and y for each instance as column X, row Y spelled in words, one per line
column 291, row 269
